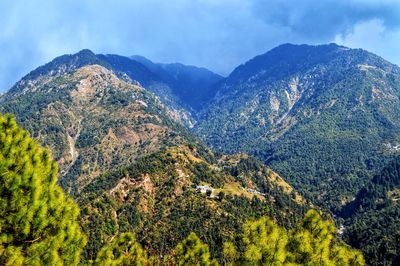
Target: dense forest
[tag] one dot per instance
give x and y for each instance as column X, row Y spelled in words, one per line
column 39, row 224
column 159, row 198
column 318, row 115
column 373, row 218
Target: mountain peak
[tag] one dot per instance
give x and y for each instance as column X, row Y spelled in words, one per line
column 59, row 66
column 288, row 59
column 281, row 103
column 303, row 45
column 96, row 75
column 85, row 52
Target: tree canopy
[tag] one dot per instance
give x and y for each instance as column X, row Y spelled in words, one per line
column 312, row 243
column 123, row 250
column 38, row 222
column 192, row 251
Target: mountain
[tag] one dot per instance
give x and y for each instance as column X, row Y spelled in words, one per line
column 132, row 166
column 326, row 117
column 40, row 227
column 90, row 118
column 181, row 87
column 161, row 86
column 373, row 217
column 165, row 196
column 93, row 112
column 193, row 85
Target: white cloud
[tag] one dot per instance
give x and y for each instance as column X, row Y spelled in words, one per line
column 374, row 37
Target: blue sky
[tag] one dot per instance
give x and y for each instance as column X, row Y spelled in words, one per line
column 217, row 34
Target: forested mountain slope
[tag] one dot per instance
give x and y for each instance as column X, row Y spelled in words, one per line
column 39, row 223
column 373, row 218
column 165, row 196
column 168, row 183
column 325, row 117
column 92, row 120
column 195, row 86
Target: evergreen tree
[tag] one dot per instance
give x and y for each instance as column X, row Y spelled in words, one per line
column 314, row 244
column 311, row 243
column 122, row 251
column 264, row 242
column 192, row 252
column 38, row 222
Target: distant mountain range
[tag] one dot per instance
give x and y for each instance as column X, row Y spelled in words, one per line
column 193, row 86
column 325, row 119
column 185, row 88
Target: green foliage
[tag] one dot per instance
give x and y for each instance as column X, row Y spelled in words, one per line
column 264, row 242
column 38, row 223
column 230, row 253
column 123, row 250
column 373, row 218
column 193, row 252
column 163, row 216
column 312, row 243
column 314, row 114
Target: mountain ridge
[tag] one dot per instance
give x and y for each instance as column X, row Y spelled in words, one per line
column 92, row 120
column 195, row 83
column 310, row 107
column 173, row 83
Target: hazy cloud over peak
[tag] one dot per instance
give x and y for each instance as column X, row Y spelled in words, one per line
column 322, row 20
column 217, row 34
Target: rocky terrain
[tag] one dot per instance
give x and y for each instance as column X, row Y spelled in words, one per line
column 92, row 120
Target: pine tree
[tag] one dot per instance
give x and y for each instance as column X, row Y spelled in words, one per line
column 311, row 243
column 122, row 251
column 38, row 222
column 193, row 252
column 264, row 242
column 314, row 244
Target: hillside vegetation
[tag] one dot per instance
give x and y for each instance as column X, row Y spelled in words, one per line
column 325, row 117
column 373, row 218
column 39, row 223
column 92, row 120
column 300, row 127
column 160, row 198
